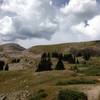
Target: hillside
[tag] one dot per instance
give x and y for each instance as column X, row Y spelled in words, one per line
column 65, row 47
column 22, row 82
column 11, row 47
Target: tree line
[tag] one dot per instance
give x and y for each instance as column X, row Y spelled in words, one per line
column 3, row 66
column 45, row 63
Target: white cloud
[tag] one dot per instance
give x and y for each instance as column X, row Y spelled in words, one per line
column 72, row 17
column 34, row 18
column 92, row 30
column 41, row 22
column 79, row 6
column 6, row 25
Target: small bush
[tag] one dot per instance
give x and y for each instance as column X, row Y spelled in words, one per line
column 41, row 94
column 71, row 95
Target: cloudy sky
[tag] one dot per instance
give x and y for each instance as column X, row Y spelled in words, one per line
column 37, row 22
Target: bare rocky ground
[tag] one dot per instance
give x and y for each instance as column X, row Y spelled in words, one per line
column 94, row 93
column 20, row 95
column 27, row 59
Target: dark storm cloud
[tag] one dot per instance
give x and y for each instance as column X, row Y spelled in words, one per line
column 98, row 1
column 60, row 3
column 1, row 1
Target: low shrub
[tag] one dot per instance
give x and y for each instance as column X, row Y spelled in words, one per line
column 76, row 81
column 41, row 94
column 71, row 95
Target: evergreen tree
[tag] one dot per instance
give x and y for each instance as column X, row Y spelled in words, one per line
column 44, row 55
column 69, row 58
column 55, row 55
column 2, row 63
column 74, row 59
column 6, row 67
column 60, row 65
column 77, row 61
column 60, row 56
column 45, row 63
column 49, row 64
column 86, row 55
column 48, row 55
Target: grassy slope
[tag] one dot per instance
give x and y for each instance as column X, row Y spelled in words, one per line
column 27, row 80
column 64, row 47
column 13, row 81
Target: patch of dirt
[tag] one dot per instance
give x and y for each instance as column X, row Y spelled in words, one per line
column 94, row 93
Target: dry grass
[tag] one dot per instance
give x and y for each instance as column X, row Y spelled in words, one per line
column 64, row 47
column 28, row 80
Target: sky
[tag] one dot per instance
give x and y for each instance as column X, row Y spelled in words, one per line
column 41, row 22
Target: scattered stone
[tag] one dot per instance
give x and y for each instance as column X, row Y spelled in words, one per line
column 3, row 97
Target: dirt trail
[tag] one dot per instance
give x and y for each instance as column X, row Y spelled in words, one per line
column 94, row 93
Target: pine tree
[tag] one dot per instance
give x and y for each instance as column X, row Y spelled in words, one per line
column 6, row 67
column 69, row 58
column 77, row 61
column 45, row 63
column 49, row 64
column 2, row 63
column 60, row 65
column 48, row 55
column 86, row 56
column 60, row 56
column 44, row 55
column 74, row 59
column 55, row 55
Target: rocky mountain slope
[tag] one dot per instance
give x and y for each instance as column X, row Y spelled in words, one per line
column 11, row 47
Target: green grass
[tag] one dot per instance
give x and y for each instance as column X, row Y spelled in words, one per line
column 92, row 71
column 91, row 68
column 79, row 67
column 82, row 65
column 76, row 81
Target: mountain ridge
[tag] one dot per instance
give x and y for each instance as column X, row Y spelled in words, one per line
column 65, row 47
column 10, row 47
